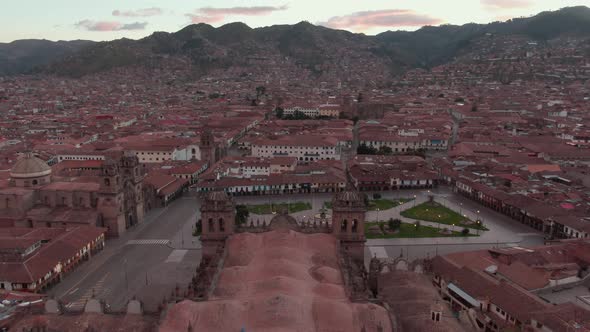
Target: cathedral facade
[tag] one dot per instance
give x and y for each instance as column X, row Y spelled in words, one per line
column 113, row 197
column 347, row 226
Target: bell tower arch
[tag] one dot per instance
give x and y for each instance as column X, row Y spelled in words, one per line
column 348, row 222
column 207, row 147
column 217, row 221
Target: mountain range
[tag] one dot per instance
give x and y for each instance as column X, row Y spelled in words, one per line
column 314, row 48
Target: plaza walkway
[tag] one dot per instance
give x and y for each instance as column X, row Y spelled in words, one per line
column 502, row 230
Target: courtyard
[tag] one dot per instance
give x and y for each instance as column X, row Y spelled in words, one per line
column 501, row 230
column 435, row 212
column 271, row 208
column 381, row 230
column 380, row 204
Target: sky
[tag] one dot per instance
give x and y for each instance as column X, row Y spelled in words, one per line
column 112, row 19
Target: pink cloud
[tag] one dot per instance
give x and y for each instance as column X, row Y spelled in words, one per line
column 144, row 12
column 506, row 4
column 205, row 18
column 216, row 15
column 246, row 11
column 109, row 25
column 388, row 18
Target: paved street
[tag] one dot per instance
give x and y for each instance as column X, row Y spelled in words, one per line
column 147, row 262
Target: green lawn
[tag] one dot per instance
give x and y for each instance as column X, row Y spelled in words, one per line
column 385, row 204
column 382, row 204
column 435, row 212
column 411, row 231
column 277, row 207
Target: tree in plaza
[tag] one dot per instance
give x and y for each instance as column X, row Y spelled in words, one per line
column 242, row 214
column 394, row 224
column 465, row 231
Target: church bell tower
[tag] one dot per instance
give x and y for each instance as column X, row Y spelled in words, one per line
column 217, row 221
column 348, row 222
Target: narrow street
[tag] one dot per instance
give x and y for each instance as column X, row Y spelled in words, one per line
column 147, row 262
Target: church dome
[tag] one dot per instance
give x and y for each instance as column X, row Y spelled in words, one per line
column 29, row 167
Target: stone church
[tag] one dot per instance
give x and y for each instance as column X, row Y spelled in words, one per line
column 283, row 276
column 113, row 196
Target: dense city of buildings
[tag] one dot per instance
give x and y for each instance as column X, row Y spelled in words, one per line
column 505, row 126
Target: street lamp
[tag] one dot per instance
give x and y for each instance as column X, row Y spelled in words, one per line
column 414, row 200
column 377, row 214
column 126, row 278
column 460, row 208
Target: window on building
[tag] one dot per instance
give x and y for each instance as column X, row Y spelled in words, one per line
column 221, row 225
column 344, row 225
column 211, row 225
